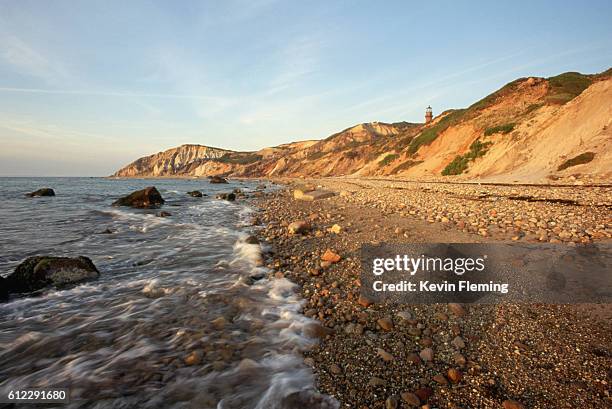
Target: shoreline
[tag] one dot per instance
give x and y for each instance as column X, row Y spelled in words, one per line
column 401, row 356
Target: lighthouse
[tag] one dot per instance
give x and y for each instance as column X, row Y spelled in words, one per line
column 428, row 114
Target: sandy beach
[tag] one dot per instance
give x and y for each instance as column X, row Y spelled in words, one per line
column 443, row 355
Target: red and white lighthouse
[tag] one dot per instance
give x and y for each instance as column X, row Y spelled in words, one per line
column 428, row 114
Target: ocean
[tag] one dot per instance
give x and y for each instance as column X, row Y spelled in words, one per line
column 215, row 335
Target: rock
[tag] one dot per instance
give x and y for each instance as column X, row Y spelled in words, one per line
column 335, row 369
column 385, row 323
column 153, row 290
column 374, row 381
column 227, row 196
column 45, row 191
column 414, row 358
column 440, row 379
column 315, row 330
column 364, row 301
column 454, row 375
column 251, row 240
column 299, row 227
column 217, row 179
column 345, row 193
column 164, row 214
column 424, row 393
column 299, row 194
column 405, row 315
column 193, row 358
column 512, row 404
column 392, row 402
column 440, row 316
column 147, row 198
column 330, row 256
column 219, row 322
column 387, row 357
column 38, row 272
column 457, row 309
column 458, row 343
column 459, row 359
column 195, row 193
column 410, row 398
column 427, row 354
column 335, row 229
column 4, row 291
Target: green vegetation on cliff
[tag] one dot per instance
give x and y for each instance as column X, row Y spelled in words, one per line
column 460, row 163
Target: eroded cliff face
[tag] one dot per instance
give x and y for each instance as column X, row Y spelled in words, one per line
column 171, row 162
column 526, row 131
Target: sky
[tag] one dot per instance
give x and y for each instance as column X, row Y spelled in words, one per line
column 89, row 86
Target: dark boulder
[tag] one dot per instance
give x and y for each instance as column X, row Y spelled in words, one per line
column 251, row 240
column 195, row 193
column 217, row 179
column 45, row 191
column 164, row 214
column 147, row 198
column 227, row 196
column 4, row 291
column 36, row 273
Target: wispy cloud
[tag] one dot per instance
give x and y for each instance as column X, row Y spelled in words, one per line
column 24, row 58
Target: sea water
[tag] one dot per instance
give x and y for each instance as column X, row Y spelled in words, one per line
column 180, row 316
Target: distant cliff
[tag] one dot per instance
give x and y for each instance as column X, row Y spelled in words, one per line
column 532, row 129
column 170, row 162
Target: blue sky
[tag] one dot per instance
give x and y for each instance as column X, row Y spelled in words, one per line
column 86, row 87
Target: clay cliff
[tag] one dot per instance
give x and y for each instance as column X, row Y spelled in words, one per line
column 531, row 130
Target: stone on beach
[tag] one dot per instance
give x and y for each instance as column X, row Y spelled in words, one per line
column 148, row 198
column 299, row 227
column 330, row 256
column 230, row 197
column 386, row 356
column 217, row 179
column 311, row 195
column 427, row 354
column 385, row 323
column 195, row 193
column 38, row 272
column 512, row 404
column 46, row 191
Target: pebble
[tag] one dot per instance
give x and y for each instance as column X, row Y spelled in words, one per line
column 512, row 404
column 387, row 357
column 458, row 343
column 374, row 381
column 364, row 301
column 392, row 402
column 424, row 393
column 427, row 354
column 454, row 375
column 440, row 379
column 330, row 256
column 457, row 309
column 193, row 358
column 299, row 227
column 410, row 398
column 385, row 323
column 335, row 369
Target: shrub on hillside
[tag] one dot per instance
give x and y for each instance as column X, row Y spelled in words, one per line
column 387, row 159
column 504, row 129
column 461, row 162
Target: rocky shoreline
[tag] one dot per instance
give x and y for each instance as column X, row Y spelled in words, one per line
column 440, row 356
